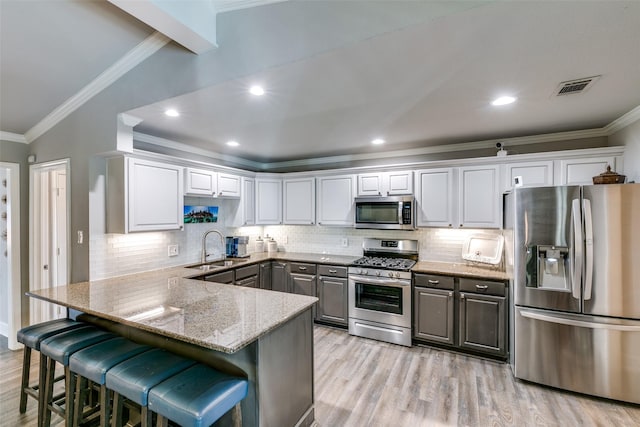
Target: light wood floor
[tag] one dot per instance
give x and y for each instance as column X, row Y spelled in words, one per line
column 360, row 382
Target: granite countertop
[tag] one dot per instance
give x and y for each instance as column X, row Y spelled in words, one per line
column 254, row 258
column 459, row 270
column 212, row 315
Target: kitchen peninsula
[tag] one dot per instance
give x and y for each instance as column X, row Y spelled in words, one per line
column 264, row 335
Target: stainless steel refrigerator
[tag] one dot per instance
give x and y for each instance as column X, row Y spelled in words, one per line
column 574, row 252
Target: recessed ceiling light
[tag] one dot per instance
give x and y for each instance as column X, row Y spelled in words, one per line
column 232, row 143
column 378, row 141
column 256, row 90
column 503, row 100
column 172, row 112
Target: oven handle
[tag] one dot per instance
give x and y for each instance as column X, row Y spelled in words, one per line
column 398, row 283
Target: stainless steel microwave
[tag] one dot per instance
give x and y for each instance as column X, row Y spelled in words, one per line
column 386, row 213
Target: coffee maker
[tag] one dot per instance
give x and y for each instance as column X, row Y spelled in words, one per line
column 237, row 246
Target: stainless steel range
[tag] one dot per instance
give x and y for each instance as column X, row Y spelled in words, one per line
column 380, row 290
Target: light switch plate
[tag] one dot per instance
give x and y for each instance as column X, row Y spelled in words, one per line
column 345, row 242
column 172, row 250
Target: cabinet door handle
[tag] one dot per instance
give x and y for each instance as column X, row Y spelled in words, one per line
column 434, row 282
column 302, row 268
column 482, row 287
column 333, row 271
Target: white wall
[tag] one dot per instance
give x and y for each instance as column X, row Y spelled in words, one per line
column 4, row 267
column 630, row 138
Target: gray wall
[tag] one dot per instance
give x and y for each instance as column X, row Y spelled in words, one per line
column 14, row 152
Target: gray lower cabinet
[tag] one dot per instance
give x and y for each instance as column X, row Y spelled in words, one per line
column 480, row 324
column 225, row 277
column 265, row 275
column 332, row 294
column 279, row 276
column 433, row 315
column 483, row 322
column 248, row 276
column 302, row 279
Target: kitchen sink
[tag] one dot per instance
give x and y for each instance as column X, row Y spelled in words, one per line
column 221, row 263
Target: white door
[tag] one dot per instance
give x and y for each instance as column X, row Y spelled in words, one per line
column 10, row 277
column 49, row 209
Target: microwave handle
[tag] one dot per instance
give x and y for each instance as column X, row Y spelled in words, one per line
column 400, row 212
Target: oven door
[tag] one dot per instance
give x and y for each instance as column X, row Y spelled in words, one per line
column 386, row 301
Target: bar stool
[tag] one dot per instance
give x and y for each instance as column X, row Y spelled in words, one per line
column 198, row 397
column 134, row 378
column 58, row 349
column 31, row 337
column 92, row 364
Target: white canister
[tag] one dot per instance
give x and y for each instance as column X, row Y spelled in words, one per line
column 259, row 245
column 272, row 246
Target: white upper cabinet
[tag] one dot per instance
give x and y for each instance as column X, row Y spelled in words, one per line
column 268, row 201
column 479, row 197
column 246, row 208
column 143, row 195
column 530, row 174
column 385, row 183
column 581, row 171
column 335, row 196
column 435, row 197
column 200, row 182
column 299, row 201
column 228, row 185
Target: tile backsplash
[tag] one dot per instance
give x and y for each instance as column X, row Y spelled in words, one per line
column 119, row 254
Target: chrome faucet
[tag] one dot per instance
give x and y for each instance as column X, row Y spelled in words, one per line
column 204, row 245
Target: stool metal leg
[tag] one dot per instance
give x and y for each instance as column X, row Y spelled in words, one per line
column 26, row 367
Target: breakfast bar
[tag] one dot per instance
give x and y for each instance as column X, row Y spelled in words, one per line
column 265, row 336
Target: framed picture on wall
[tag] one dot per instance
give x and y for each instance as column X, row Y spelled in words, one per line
column 200, row 214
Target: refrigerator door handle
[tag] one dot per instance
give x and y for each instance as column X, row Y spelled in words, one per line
column 588, row 235
column 562, row 320
column 577, row 248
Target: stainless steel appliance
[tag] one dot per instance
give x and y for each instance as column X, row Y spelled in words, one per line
column 380, row 291
column 576, row 284
column 386, row 213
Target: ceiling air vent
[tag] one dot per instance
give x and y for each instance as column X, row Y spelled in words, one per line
column 575, row 86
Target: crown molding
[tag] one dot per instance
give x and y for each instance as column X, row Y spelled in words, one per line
column 135, row 56
column 13, row 137
column 167, row 143
column 445, row 148
column 623, row 121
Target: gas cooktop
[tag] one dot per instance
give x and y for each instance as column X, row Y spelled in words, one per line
column 401, row 264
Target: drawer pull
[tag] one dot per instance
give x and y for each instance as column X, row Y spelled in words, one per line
column 434, row 282
column 482, row 287
column 302, row 268
column 333, row 271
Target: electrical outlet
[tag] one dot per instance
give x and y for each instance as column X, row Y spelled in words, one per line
column 172, row 281
column 172, row 250
column 345, row 242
